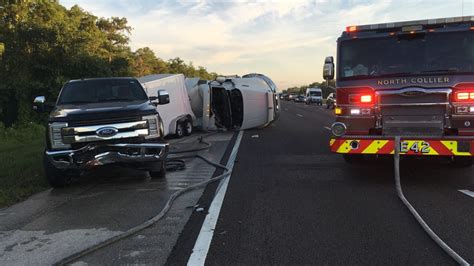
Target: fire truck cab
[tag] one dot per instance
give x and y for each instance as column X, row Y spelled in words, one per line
column 410, row 79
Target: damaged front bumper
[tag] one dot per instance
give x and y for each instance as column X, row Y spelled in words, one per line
column 94, row 155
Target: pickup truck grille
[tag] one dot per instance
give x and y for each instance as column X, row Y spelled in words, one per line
column 89, row 134
column 413, row 111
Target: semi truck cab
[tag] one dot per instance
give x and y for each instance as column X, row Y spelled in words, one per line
column 411, row 79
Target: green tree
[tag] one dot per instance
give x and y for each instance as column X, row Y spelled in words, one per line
column 43, row 44
column 146, row 63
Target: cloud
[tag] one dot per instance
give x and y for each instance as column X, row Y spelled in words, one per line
column 285, row 39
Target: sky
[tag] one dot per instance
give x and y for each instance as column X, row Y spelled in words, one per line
column 286, row 40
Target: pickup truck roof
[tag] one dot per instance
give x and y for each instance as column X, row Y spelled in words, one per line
column 108, row 78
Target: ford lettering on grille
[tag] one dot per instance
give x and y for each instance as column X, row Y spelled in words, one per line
column 106, row 132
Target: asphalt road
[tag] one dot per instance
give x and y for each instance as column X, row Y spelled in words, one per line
column 290, row 201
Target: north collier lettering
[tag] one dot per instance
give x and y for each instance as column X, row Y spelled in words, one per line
column 420, row 80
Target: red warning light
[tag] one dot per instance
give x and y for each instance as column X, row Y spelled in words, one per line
column 351, row 28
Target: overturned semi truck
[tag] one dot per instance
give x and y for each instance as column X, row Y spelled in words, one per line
column 233, row 102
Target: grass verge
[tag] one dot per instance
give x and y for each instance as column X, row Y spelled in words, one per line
column 21, row 170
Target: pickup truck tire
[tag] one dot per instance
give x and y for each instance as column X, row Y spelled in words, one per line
column 188, row 128
column 463, row 161
column 161, row 173
column 179, row 130
column 57, row 178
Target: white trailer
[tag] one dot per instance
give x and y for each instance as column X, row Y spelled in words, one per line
column 178, row 117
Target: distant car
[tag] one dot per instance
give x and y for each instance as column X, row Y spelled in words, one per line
column 284, row 96
column 292, row 96
column 331, row 101
column 300, row 99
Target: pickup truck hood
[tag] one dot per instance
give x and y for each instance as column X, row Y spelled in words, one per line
column 98, row 111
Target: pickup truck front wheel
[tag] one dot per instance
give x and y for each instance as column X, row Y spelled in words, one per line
column 57, row 178
column 159, row 173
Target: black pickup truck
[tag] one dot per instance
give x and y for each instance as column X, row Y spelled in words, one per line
column 102, row 121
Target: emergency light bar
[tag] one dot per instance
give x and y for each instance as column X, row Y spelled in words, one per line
column 408, row 24
column 464, row 95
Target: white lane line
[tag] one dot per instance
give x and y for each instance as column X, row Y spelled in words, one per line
column 467, row 192
column 328, row 128
column 203, row 242
column 300, row 115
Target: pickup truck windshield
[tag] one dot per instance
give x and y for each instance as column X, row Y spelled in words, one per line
column 424, row 53
column 103, row 90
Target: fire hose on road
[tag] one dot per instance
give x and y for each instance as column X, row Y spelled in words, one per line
column 174, row 162
column 415, row 214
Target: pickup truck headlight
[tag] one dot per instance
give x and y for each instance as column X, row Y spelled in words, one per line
column 153, row 126
column 55, row 136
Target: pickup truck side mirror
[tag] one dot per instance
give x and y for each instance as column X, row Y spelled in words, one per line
column 162, row 98
column 328, row 68
column 40, row 105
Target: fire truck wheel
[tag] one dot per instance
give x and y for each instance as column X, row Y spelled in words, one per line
column 353, row 158
column 463, row 161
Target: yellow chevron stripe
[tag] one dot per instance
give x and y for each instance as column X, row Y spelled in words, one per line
column 331, row 142
column 452, row 145
column 375, row 146
column 345, row 147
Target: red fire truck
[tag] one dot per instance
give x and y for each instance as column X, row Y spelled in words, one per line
column 410, row 79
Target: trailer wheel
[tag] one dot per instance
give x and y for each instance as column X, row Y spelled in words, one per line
column 179, row 130
column 188, row 128
column 463, row 161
